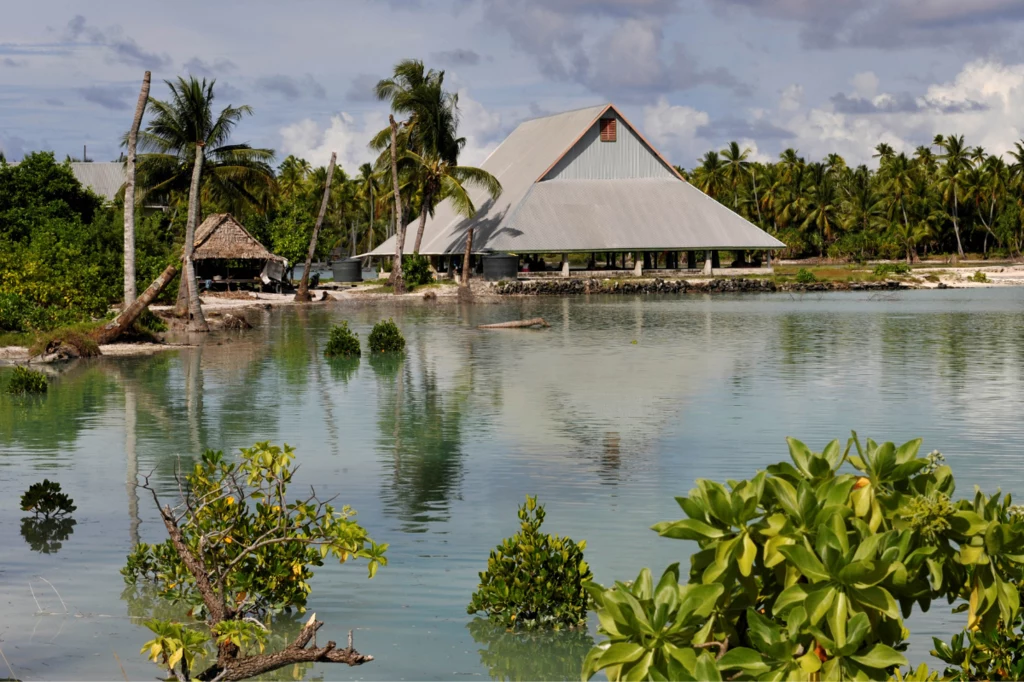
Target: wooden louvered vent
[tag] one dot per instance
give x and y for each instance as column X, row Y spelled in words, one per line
column 607, row 130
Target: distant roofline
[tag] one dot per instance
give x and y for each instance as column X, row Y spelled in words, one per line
column 567, row 111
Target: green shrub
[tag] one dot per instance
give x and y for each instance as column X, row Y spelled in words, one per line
column 534, row 579
column 416, row 270
column 805, row 571
column 805, row 276
column 25, row 380
column 46, row 500
column 386, row 337
column 83, row 344
column 343, row 342
column 887, row 269
column 979, row 277
column 148, row 322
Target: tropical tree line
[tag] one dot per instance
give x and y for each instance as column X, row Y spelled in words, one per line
column 945, row 198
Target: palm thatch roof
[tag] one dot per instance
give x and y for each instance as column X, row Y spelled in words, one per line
column 222, row 237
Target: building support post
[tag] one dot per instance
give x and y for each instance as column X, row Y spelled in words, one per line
column 638, row 266
column 565, row 265
column 707, row 262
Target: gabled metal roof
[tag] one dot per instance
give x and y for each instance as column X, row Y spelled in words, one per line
column 534, row 214
column 104, row 178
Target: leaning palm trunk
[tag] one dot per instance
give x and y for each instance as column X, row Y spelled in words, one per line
column 956, row 226
column 396, row 266
column 113, row 329
column 466, row 258
column 196, row 320
column 129, row 195
column 302, row 294
column 428, row 196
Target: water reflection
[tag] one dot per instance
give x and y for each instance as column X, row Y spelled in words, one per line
column 420, row 428
column 517, row 655
column 46, row 535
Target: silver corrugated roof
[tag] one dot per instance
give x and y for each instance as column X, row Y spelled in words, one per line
column 554, row 216
column 105, row 179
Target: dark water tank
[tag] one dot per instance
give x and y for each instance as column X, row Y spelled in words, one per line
column 348, row 270
column 500, row 266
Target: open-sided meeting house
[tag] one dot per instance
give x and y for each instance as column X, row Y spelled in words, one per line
column 588, row 182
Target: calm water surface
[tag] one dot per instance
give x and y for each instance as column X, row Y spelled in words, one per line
column 606, row 416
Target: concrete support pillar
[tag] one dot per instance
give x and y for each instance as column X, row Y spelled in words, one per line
column 691, row 260
column 707, row 263
column 768, row 258
column 638, row 267
column 565, row 265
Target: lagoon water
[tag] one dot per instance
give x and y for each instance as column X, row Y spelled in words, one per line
column 605, row 416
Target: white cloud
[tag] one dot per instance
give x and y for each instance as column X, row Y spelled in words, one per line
column 480, row 126
column 344, row 134
column 673, row 129
column 865, row 84
column 792, row 98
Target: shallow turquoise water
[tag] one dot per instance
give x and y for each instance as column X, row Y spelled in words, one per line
column 435, row 454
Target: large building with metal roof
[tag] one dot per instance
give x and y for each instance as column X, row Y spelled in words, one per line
column 104, row 178
column 585, row 181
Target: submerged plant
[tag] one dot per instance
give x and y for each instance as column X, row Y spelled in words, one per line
column 386, row 337
column 46, row 500
column 343, row 342
column 239, row 553
column 534, row 579
column 807, row 570
column 25, row 380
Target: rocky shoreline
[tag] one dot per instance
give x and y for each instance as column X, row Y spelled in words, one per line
column 562, row 287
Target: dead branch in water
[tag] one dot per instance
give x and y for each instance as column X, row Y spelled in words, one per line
column 535, row 322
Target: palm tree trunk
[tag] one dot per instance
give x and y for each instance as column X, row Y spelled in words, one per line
column 466, row 258
column 129, row 195
column 956, row 226
column 302, row 295
column 370, row 230
column 428, row 195
column 396, row 265
column 113, row 329
column 757, row 203
column 196, row 320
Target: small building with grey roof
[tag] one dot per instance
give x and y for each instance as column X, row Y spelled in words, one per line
column 587, row 181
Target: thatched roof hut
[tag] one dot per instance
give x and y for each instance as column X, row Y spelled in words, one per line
column 221, row 237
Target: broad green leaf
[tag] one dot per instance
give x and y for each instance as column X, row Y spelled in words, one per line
column 747, row 556
column 643, row 586
column 809, row 662
column 876, row 598
column 863, row 573
column 742, row 658
column 881, row 656
column 818, row 603
column 801, row 456
column 638, row 671
column 687, row 529
column 706, row 668
column 908, row 451
column 857, row 629
column 772, row 555
column 837, row 619
column 699, row 600
column 807, row 563
column 795, row 594
column 967, row 522
column 785, row 493
column 619, row 653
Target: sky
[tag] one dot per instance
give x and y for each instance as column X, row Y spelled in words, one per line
column 820, row 76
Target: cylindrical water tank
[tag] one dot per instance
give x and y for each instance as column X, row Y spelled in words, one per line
column 500, row 266
column 348, row 270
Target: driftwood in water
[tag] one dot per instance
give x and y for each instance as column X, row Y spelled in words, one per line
column 535, row 322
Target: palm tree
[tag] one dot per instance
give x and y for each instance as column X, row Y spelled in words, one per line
column 442, row 180
column 367, row 184
column 234, row 175
column 736, row 167
column 864, row 207
column 957, row 158
column 292, row 176
column 823, row 205
column 709, row 176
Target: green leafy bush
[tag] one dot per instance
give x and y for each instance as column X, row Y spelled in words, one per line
column 25, row 380
column 887, row 269
column 46, row 500
column 805, row 276
column 386, row 337
column 343, row 342
column 805, row 571
column 534, row 579
column 416, row 270
column 979, row 277
column 250, row 554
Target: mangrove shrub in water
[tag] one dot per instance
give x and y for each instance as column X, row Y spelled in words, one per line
column 806, row 571
column 343, row 342
column 385, row 337
column 240, row 552
column 25, row 380
column 46, row 500
column 534, row 579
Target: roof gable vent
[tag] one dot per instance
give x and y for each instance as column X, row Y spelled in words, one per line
column 607, row 130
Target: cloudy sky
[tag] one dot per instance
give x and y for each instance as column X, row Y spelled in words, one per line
column 817, row 75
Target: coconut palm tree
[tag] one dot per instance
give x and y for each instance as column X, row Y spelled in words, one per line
column 736, row 169
column 709, row 176
column 236, row 176
column 957, row 158
column 292, row 176
column 369, row 191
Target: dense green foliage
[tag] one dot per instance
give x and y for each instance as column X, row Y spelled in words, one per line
column 947, row 197
column 46, row 500
column 386, row 337
column 416, row 270
column 343, row 342
column 886, row 269
column 61, row 250
column 25, row 380
column 534, row 579
column 806, row 572
column 256, row 547
column 805, row 276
